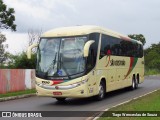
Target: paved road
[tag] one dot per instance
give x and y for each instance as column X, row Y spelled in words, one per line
column 88, row 104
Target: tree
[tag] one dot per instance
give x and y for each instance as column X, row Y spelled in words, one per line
column 152, row 56
column 138, row 37
column 8, row 60
column 34, row 36
column 20, row 61
column 7, row 17
column 2, row 48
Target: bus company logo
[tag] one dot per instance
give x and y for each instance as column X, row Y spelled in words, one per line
column 45, row 82
column 56, row 87
column 117, row 62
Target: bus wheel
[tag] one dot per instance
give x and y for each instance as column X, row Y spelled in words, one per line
column 133, row 83
column 101, row 93
column 61, row 99
column 136, row 83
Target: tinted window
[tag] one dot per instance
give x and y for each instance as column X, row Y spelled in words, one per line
column 120, row 47
column 140, row 50
column 91, row 59
column 104, row 46
column 110, row 44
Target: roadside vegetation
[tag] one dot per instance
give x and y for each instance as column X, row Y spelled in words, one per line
column 152, row 59
column 29, row 91
column 147, row 103
column 152, row 72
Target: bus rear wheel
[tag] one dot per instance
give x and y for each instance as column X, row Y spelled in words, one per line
column 137, row 82
column 134, row 83
column 61, row 99
column 102, row 91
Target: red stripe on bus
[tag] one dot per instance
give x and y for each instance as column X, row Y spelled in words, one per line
column 133, row 62
column 57, row 82
column 130, row 66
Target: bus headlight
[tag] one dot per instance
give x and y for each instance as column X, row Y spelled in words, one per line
column 80, row 83
column 37, row 83
column 84, row 81
column 62, row 87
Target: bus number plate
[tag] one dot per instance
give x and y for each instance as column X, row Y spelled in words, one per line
column 57, row 93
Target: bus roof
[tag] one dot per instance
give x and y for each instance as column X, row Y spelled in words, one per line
column 83, row 30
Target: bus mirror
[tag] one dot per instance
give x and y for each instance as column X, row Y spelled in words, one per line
column 87, row 46
column 29, row 50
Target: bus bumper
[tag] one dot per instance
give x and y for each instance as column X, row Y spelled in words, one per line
column 77, row 92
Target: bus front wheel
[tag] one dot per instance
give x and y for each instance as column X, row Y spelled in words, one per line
column 101, row 93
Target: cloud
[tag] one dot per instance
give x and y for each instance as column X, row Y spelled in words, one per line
column 44, row 14
column 124, row 16
column 48, row 14
column 17, row 42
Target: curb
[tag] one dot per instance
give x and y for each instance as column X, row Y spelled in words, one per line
column 99, row 115
column 17, row 97
column 153, row 75
column 157, row 75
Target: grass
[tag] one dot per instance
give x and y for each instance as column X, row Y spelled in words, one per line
column 150, row 102
column 29, row 91
column 152, row 72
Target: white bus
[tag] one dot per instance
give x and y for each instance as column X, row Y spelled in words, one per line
column 84, row 61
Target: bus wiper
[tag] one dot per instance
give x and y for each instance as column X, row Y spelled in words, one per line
column 51, row 65
column 61, row 64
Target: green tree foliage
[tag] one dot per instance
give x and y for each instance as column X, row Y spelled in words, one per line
column 7, row 17
column 138, row 37
column 152, row 56
column 20, row 61
column 7, row 61
column 2, row 48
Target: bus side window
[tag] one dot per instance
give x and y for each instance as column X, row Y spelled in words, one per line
column 91, row 59
column 107, row 50
column 140, row 51
column 105, row 46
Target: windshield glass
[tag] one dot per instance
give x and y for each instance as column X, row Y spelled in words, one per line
column 58, row 57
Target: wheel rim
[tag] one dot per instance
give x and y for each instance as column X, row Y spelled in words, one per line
column 136, row 83
column 133, row 84
column 101, row 91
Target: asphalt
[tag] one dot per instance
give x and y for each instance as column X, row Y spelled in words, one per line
column 16, row 97
column 35, row 103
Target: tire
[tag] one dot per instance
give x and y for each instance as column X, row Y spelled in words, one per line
column 134, row 83
column 60, row 99
column 102, row 91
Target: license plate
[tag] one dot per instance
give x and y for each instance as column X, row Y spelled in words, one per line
column 57, row 93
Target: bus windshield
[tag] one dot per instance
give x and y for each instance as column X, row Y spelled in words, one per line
column 60, row 57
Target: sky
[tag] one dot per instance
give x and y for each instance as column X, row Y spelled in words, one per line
column 123, row 16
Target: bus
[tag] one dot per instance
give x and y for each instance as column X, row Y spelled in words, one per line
column 85, row 61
